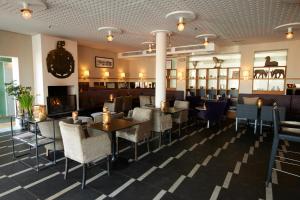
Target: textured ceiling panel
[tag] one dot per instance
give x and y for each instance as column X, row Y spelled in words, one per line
column 245, row 20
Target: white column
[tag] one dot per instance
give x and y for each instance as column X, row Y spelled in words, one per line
column 160, row 66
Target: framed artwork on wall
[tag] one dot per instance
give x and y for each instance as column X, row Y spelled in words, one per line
column 102, row 62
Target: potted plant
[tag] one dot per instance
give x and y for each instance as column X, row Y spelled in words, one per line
column 26, row 101
column 16, row 91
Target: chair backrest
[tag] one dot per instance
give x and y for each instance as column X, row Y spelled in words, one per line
column 267, row 113
column 127, row 103
column 276, row 121
column 215, row 110
column 118, row 104
column 144, row 100
column 152, row 98
column 141, row 114
column 181, row 104
column 46, row 128
column 72, row 135
column 247, row 111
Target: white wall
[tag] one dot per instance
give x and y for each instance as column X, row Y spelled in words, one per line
column 42, row 45
column 19, row 46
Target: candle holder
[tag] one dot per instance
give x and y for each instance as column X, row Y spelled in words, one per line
column 39, row 112
column 111, row 97
column 106, row 119
column 259, row 103
column 164, row 106
column 75, row 116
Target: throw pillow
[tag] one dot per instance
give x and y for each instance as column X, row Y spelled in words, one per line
column 250, row 100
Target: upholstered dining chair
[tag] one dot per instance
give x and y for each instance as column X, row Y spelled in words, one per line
column 281, row 133
column 266, row 116
column 46, row 129
column 246, row 112
column 127, row 103
column 144, row 100
column 213, row 113
column 183, row 116
column 139, row 132
column 84, row 150
column 161, row 123
column 115, row 106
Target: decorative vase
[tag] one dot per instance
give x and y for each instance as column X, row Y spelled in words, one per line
column 164, row 106
column 106, row 118
column 19, row 110
column 39, row 112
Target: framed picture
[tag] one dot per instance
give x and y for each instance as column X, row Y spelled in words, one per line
column 103, row 62
column 169, row 64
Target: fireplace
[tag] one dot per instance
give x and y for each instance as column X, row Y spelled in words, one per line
column 60, row 101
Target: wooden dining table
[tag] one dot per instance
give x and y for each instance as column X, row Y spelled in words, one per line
column 111, row 128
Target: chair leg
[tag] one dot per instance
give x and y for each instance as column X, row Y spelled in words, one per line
column 148, row 144
column 236, row 124
column 272, row 158
column 66, row 168
column 108, row 165
column 83, row 176
column 135, row 151
column 179, row 129
column 170, row 136
column 117, row 145
column 261, row 121
column 207, row 124
column 160, row 134
column 255, row 126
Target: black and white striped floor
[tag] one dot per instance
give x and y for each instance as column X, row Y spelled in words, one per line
column 202, row 164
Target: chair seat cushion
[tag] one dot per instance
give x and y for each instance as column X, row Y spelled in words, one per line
column 290, row 131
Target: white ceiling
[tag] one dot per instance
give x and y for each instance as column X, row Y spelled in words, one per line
column 232, row 20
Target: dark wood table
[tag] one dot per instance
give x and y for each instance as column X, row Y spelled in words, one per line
column 173, row 110
column 112, row 127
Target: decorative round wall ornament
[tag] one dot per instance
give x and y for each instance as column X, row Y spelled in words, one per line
column 60, row 62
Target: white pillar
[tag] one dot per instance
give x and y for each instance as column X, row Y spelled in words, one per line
column 160, row 66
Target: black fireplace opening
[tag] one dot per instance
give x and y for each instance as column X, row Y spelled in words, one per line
column 60, row 102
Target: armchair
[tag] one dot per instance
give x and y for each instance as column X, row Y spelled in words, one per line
column 144, row 100
column 266, row 115
column 139, row 132
column 84, row 150
column 183, row 116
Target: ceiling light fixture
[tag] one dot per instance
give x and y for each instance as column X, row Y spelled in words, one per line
column 182, row 17
column 291, row 28
column 205, row 37
column 289, row 35
column 25, row 11
column 110, row 31
column 150, row 45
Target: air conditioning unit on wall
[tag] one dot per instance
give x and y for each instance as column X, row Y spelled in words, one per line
column 189, row 49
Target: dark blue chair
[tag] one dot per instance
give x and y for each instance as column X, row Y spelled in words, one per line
column 213, row 113
column 280, row 133
column 246, row 112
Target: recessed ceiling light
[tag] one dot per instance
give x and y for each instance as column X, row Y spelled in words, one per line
column 182, row 17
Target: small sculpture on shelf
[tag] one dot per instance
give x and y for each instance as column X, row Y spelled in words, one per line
column 276, row 73
column 260, row 73
column 218, row 62
column 269, row 63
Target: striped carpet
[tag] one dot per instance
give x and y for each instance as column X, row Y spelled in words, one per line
column 211, row 164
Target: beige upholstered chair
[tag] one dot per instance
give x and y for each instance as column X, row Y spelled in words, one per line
column 84, row 150
column 183, row 116
column 144, row 100
column 82, row 119
column 46, row 129
column 139, row 132
column 161, row 123
column 116, row 105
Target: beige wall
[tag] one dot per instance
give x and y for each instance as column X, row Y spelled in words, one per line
column 19, row 45
column 86, row 61
column 145, row 65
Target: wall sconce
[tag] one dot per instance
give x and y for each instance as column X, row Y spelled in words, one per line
column 141, row 75
column 180, row 76
column 86, row 74
column 106, row 74
column 122, row 75
column 246, row 74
